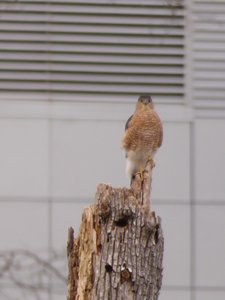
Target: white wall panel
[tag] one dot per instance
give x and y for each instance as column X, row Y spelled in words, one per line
column 208, row 295
column 84, row 154
column 171, row 177
column 64, row 216
column 210, row 265
column 23, row 158
column 24, row 226
column 176, row 229
column 174, row 295
column 210, row 160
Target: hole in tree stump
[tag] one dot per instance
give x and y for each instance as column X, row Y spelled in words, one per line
column 108, row 268
column 108, row 236
column 122, row 222
column 125, row 275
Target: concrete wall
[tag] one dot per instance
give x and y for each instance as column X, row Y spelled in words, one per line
column 53, row 155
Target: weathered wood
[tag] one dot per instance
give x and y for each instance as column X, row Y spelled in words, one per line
column 118, row 252
column 141, row 187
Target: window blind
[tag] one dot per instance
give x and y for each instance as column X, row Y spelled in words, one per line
column 209, row 54
column 97, row 50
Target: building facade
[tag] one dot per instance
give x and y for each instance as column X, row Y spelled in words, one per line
column 71, row 72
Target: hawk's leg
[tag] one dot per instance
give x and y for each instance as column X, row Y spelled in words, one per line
column 141, row 174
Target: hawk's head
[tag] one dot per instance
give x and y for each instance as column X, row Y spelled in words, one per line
column 144, row 101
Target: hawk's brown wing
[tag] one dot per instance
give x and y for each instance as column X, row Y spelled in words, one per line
column 161, row 135
column 128, row 123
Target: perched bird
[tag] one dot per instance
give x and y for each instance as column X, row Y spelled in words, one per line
column 143, row 136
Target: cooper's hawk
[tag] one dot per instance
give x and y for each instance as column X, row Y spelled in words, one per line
column 143, row 136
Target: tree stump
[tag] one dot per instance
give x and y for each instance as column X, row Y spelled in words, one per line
column 119, row 250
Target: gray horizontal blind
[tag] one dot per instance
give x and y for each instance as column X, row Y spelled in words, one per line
column 92, row 49
column 209, row 54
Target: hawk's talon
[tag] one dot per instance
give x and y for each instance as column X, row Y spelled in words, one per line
column 151, row 161
column 140, row 173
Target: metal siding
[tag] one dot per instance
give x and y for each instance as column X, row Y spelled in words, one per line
column 209, row 54
column 65, row 49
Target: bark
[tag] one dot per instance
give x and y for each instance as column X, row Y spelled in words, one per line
column 118, row 252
